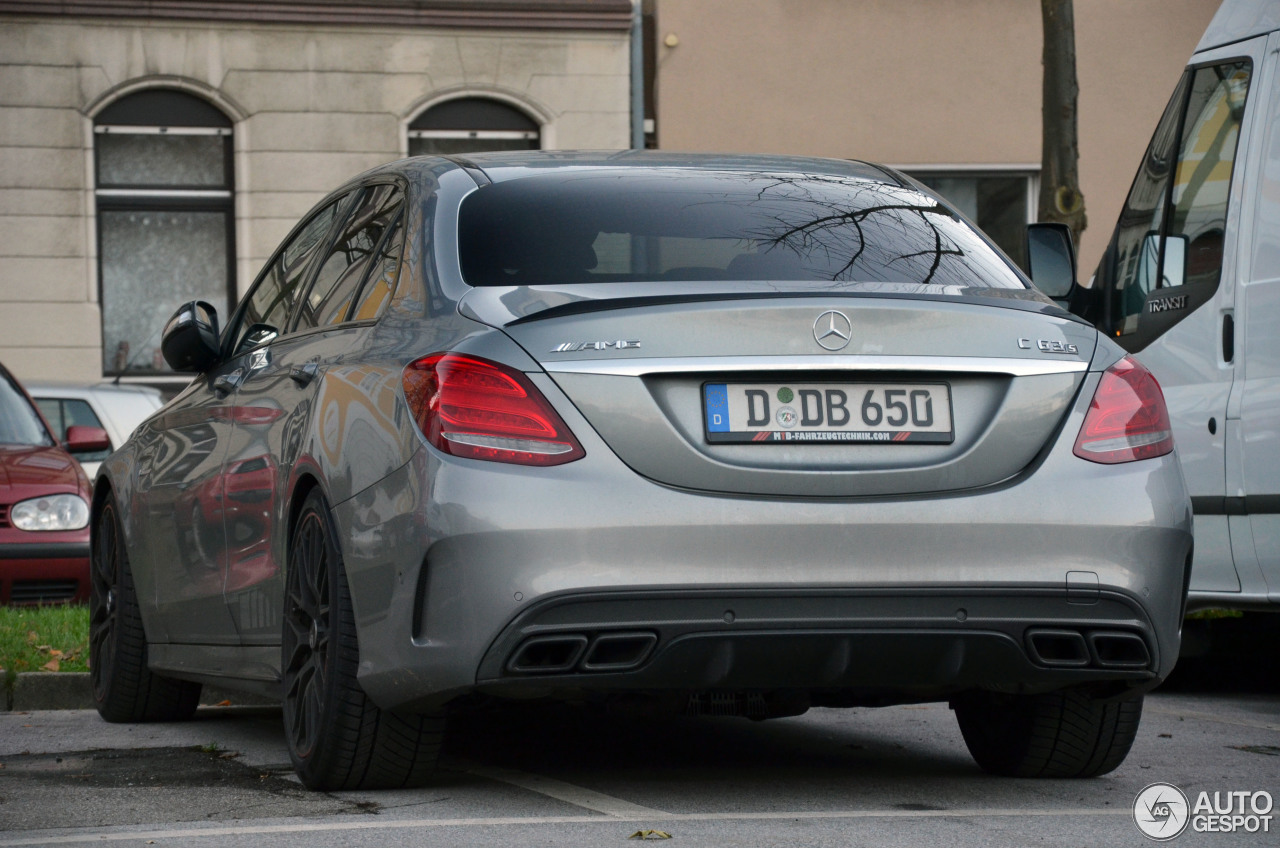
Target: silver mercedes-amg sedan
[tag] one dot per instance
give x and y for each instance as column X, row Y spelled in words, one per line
column 701, row 435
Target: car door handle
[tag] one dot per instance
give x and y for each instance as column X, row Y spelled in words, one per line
column 225, row 384
column 304, row 374
column 1228, row 337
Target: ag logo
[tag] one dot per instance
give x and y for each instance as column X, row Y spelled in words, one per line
column 1161, row 811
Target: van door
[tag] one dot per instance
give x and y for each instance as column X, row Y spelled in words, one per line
column 1166, row 285
column 1257, row 390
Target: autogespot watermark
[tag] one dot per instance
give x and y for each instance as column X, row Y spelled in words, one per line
column 1162, row 812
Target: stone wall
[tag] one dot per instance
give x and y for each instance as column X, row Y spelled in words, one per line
column 311, row 107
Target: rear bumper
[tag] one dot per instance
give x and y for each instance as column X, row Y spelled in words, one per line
column 915, row 643
column 454, row 565
column 44, row 572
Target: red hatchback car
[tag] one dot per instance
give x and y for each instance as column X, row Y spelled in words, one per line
column 44, row 504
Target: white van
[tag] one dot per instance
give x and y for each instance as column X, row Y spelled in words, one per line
column 1190, row 284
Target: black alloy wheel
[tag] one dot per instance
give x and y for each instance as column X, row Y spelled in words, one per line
column 124, row 688
column 104, row 590
column 306, row 634
column 337, row 737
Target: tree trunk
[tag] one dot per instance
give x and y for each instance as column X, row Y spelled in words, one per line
column 1060, row 196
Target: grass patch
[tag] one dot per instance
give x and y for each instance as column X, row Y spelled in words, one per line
column 51, row 638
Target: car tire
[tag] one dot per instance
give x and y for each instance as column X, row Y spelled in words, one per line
column 1056, row 734
column 337, row 737
column 124, row 688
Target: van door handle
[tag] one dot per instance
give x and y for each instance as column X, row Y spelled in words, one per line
column 1228, row 337
column 304, row 374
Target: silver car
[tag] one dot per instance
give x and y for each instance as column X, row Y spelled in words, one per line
column 699, row 435
column 114, row 407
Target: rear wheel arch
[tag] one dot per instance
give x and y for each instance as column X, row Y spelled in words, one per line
column 301, row 489
column 337, row 737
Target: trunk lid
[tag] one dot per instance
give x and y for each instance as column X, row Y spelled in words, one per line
column 639, row 370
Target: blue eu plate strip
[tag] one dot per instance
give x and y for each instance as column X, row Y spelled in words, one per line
column 717, row 399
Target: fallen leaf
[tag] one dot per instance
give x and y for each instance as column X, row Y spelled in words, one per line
column 32, row 636
column 52, row 665
column 650, row 834
column 223, row 703
column 1166, row 735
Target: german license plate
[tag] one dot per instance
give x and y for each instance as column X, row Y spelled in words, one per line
column 891, row 413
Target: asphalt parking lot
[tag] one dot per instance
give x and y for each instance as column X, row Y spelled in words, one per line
column 536, row 775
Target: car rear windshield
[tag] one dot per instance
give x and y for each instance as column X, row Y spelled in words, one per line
column 617, row 225
column 20, row 424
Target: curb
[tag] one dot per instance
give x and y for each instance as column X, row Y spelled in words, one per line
column 72, row 690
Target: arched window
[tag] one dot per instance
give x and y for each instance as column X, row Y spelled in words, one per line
column 165, row 219
column 472, row 125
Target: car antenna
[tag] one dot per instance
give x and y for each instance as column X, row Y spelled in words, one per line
column 120, row 371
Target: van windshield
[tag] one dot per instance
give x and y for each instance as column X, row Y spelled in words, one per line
column 619, row 225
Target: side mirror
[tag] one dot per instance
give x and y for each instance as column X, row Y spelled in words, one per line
column 1174, row 272
column 190, row 340
column 86, row 439
column 1051, row 256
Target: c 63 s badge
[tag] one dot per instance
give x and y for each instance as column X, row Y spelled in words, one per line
column 1048, row 346
column 573, row 347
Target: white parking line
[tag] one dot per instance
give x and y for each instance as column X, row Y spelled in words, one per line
column 100, row 836
column 567, row 792
column 1238, row 722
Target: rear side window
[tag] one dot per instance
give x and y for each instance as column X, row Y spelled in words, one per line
column 1166, row 259
column 62, row 413
column 636, row 224
column 380, row 283
column 350, row 258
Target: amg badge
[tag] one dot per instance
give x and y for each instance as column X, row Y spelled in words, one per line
column 571, row 347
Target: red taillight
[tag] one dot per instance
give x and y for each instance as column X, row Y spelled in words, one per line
column 478, row 409
column 1127, row 419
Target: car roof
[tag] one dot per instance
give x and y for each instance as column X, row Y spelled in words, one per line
column 504, row 165
column 1237, row 20
column 69, row 389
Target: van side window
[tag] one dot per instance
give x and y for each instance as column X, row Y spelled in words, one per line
column 1166, row 259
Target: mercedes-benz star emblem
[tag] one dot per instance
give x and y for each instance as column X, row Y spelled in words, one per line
column 832, row 330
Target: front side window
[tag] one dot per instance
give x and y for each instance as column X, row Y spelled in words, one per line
column 1166, row 256
column 164, row 197
column 613, row 225
column 270, row 302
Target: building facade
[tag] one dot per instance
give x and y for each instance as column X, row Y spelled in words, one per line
column 947, row 90
column 156, row 153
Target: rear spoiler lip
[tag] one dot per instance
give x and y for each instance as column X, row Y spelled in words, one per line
column 1021, row 300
